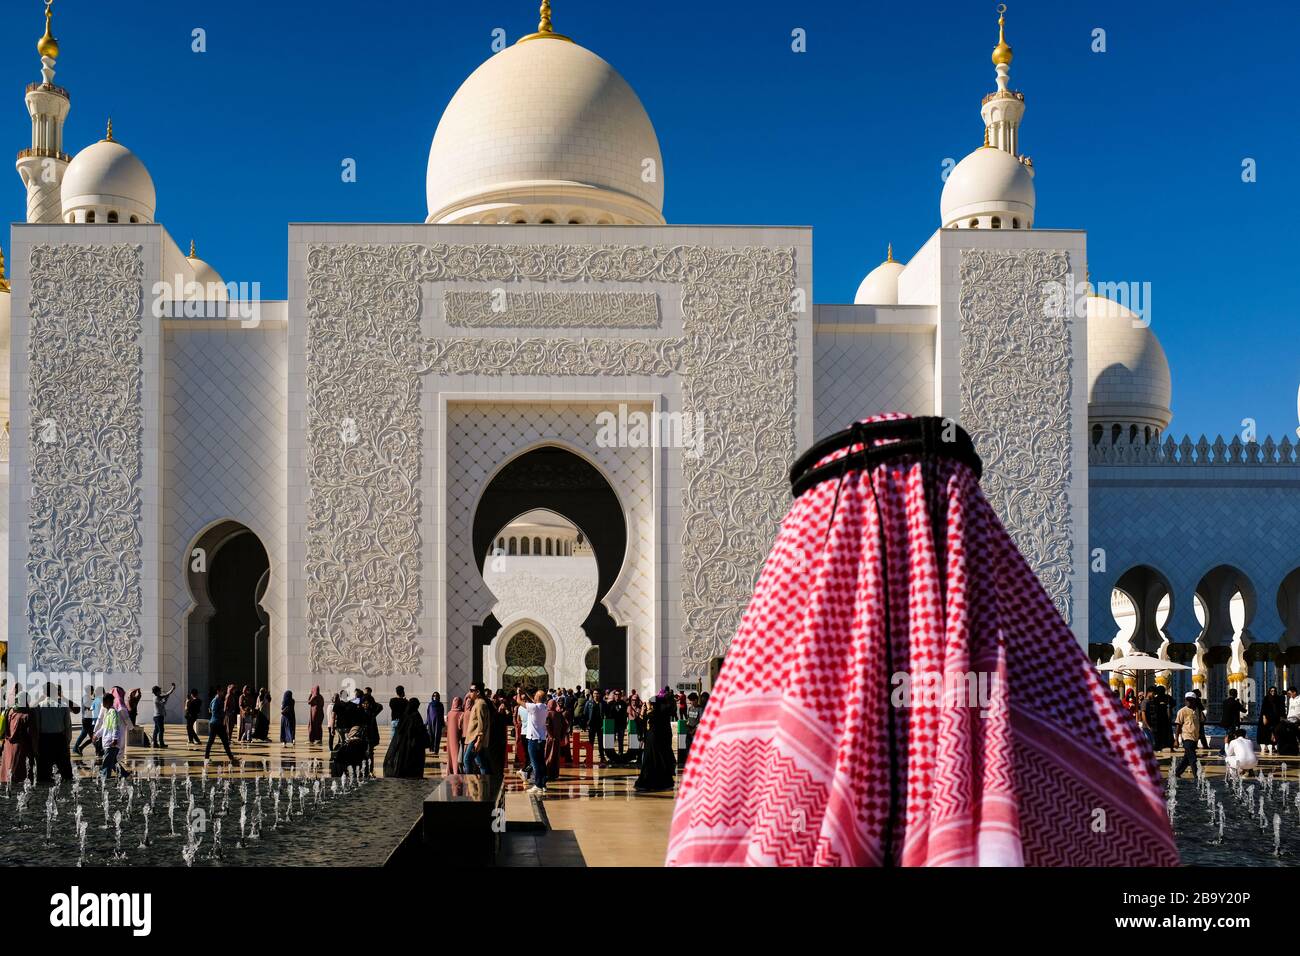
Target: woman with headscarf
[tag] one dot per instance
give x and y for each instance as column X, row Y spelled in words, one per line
column 20, row 745
column 125, row 723
column 434, row 721
column 350, row 723
column 288, row 720
column 891, row 576
column 1271, row 711
column 405, row 757
column 133, row 708
column 454, row 717
column 315, row 716
column 521, row 744
column 262, row 718
column 657, row 762
column 557, row 729
column 247, row 714
column 231, row 712
column 371, row 709
column 501, row 712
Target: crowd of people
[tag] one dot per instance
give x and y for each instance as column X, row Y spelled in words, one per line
column 623, row 729
column 1171, row 727
column 36, row 730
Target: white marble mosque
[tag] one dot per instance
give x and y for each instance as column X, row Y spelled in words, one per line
column 545, row 429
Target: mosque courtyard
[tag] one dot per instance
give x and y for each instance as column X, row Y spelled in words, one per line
column 590, row 816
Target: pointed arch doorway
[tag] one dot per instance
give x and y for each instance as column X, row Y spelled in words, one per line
column 228, row 631
column 555, row 479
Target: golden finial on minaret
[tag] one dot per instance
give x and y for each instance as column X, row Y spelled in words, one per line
column 889, row 253
column 47, row 45
column 544, row 29
column 1002, row 52
column 108, row 135
column 192, row 254
column 4, row 283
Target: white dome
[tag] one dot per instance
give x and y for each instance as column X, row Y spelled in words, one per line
column 880, row 287
column 989, row 182
column 212, row 288
column 545, row 129
column 1128, row 374
column 107, row 177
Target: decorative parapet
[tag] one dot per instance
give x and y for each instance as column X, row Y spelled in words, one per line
column 1120, row 451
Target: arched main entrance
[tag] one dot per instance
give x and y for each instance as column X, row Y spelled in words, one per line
column 228, row 630
column 557, row 480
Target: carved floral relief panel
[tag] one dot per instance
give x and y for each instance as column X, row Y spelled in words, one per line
column 84, row 521
column 366, row 354
column 1016, row 366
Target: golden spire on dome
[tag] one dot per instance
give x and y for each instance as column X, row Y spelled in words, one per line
column 47, row 45
column 108, row 134
column 192, row 254
column 544, row 29
column 889, row 253
column 1002, row 52
column 4, row 283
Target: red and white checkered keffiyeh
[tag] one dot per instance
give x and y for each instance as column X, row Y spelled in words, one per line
column 791, row 764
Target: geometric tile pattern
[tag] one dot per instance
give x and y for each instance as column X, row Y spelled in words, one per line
column 858, row 374
column 1185, row 520
column 225, row 447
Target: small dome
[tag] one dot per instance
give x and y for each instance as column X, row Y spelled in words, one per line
column 1128, row 374
column 989, row 182
column 212, row 288
column 880, row 287
column 545, row 129
column 107, row 177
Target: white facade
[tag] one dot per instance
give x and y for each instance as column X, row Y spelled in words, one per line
column 368, row 432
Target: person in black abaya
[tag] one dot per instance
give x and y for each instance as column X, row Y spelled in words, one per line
column 1271, row 712
column 657, row 764
column 350, row 723
column 405, row 757
column 1160, row 719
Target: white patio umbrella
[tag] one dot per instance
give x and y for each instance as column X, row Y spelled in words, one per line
column 1141, row 662
column 1131, row 664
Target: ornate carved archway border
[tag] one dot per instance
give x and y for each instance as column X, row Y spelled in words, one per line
column 365, row 357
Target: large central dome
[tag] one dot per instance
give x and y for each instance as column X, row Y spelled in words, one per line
column 545, row 131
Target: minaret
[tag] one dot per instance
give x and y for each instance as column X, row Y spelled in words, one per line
column 43, row 164
column 1003, row 108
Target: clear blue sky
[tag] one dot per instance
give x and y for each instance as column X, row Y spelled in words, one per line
column 1141, row 146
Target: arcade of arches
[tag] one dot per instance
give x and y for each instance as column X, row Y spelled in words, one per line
column 1226, row 654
